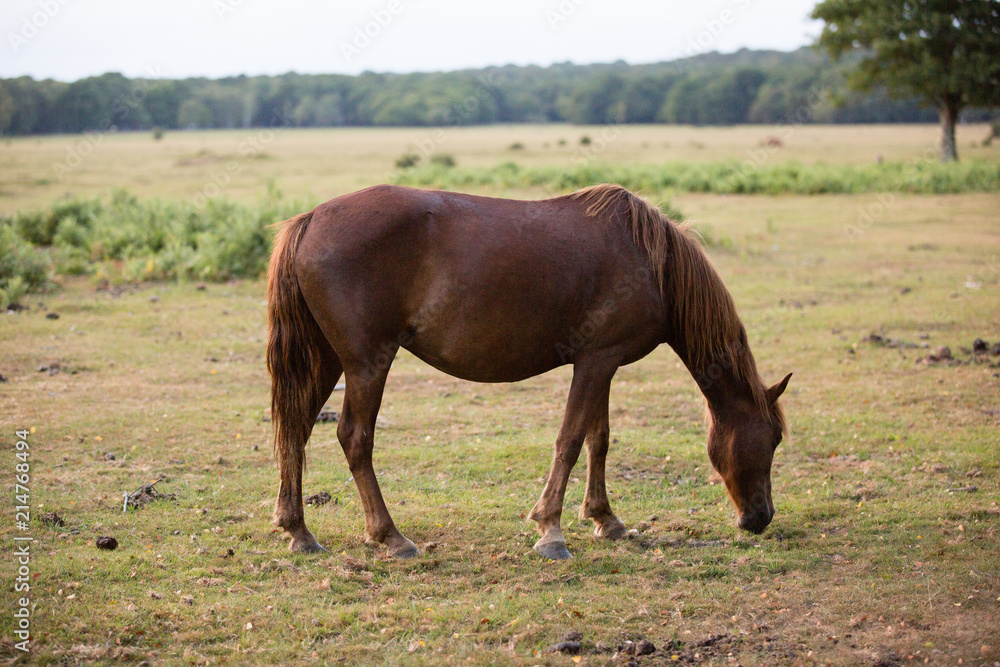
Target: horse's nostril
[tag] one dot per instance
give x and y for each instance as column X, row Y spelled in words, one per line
column 757, row 521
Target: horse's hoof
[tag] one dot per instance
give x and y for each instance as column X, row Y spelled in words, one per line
column 407, row 550
column 611, row 531
column 553, row 550
column 306, row 546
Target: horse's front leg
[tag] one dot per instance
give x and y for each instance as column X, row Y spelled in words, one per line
column 588, row 401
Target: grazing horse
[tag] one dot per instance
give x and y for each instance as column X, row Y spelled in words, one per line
column 498, row 290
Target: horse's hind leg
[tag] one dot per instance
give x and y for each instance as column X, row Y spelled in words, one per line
column 595, row 502
column 365, row 384
column 288, row 511
column 588, row 401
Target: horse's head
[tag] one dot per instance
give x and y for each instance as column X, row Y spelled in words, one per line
column 741, row 445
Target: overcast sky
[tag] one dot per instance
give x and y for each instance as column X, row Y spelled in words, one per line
column 70, row 39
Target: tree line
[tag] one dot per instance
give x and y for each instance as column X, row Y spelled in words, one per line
column 710, row 89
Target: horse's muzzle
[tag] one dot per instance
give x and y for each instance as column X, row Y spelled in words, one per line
column 756, row 522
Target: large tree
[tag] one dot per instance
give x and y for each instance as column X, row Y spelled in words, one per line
column 946, row 52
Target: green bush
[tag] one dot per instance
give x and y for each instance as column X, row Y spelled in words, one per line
column 128, row 239
column 443, row 159
column 23, row 268
column 40, row 227
column 407, row 161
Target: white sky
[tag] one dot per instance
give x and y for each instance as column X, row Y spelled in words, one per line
column 70, row 39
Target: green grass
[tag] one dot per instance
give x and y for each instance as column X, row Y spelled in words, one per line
column 731, row 177
column 121, row 238
column 318, row 164
column 873, row 552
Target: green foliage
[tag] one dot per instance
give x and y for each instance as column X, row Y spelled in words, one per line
column 446, row 160
column 129, row 239
column 943, row 53
column 23, row 268
column 919, row 49
column 729, row 177
column 748, row 86
column 407, row 161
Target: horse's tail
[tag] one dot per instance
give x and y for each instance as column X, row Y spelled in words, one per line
column 293, row 352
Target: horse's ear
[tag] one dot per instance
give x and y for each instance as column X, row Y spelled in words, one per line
column 777, row 390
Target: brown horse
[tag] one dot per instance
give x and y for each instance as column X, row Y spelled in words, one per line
column 497, row 290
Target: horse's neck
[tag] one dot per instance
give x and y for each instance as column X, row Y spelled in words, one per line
column 718, row 378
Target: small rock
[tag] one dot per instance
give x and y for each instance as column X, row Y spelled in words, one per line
column 107, row 543
column 110, row 456
column 327, row 417
column 566, row 648
column 942, row 353
column 52, row 519
column 980, row 346
column 321, row 498
column 52, row 316
column 201, row 287
column 3, row 378
column 52, row 368
column 995, row 350
column 154, row 299
column 644, row 647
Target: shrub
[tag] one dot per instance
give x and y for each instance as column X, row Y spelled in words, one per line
column 445, row 160
column 407, row 161
column 23, row 268
column 128, row 239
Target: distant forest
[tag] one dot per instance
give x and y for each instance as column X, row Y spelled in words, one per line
column 711, row 89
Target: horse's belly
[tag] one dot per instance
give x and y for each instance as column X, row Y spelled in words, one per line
column 497, row 356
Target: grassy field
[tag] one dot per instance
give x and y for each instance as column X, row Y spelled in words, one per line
column 883, row 551
column 321, row 164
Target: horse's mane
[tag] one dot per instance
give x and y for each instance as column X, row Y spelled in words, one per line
column 703, row 313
